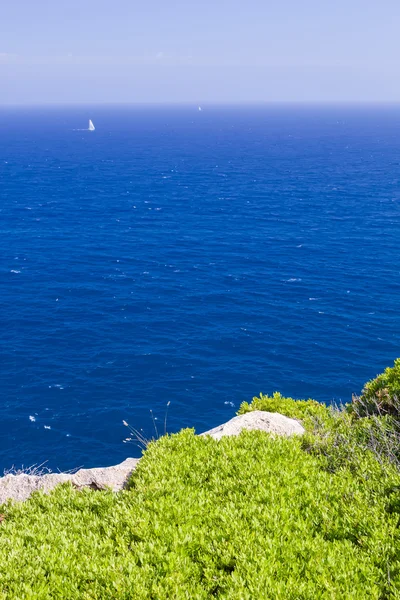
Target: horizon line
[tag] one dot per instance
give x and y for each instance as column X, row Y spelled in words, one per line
column 208, row 103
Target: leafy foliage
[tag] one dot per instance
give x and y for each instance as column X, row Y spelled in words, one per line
column 307, row 411
column 380, row 395
column 342, row 435
column 347, row 440
column 247, row 517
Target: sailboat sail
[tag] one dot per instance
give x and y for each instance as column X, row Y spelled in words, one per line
column 91, row 126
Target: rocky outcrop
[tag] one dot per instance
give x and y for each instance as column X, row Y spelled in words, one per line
column 20, row 487
column 258, row 419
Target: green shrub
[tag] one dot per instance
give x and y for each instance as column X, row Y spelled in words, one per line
column 341, row 435
column 380, row 395
column 307, row 411
column 346, row 441
column 248, row 517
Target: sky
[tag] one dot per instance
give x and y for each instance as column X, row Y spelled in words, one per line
column 100, row 51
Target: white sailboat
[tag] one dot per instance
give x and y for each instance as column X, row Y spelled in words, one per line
column 91, row 126
column 200, row 109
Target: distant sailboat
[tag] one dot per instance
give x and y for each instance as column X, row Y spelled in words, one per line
column 200, row 109
column 91, row 126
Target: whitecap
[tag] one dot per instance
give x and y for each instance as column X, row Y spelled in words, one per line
column 292, row 279
column 32, row 418
column 14, row 271
column 46, row 426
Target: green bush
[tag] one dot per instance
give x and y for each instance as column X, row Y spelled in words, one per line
column 346, row 440
column 380, row 395
column 307, row 411
column 248, row 517
column 341, row 435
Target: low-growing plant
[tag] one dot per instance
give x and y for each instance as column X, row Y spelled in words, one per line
column 246, row 517
column 381, row 395
column 249, row 517
column 307, row 411
column 340, row 434
column 347, row 437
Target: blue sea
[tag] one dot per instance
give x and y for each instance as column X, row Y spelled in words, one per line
column 196, row 258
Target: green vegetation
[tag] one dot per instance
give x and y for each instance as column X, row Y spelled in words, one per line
column 247, row 517
column 380, row 395
column 306, row 411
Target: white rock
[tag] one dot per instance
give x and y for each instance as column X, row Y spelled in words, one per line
column 20, row 487
column 258, row 419
column 103, row 477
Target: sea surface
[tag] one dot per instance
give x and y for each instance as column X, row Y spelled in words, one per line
column 196, row 258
